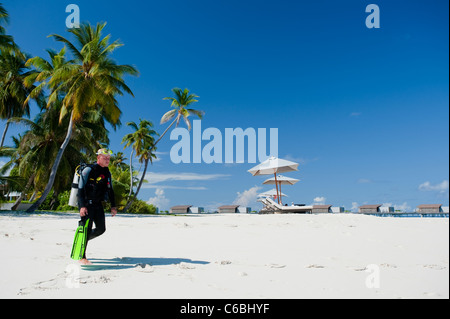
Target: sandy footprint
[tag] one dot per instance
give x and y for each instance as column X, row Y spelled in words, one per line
column 67, row 279
column 315, row 266
column 435, row 267
column 51, row 284
column 275, row 265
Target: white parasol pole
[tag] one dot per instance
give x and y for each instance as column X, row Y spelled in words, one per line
column 281, row 201
column 276, row 184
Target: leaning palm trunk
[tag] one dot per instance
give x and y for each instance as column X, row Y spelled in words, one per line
column 52, row 177
column 24, row 192
column 164, row 133
column 4, row 134
column 131, row 174
column 132, row 198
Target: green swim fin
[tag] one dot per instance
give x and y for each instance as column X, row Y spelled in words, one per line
column 80, row 240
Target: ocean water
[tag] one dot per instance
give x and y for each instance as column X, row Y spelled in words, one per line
column 410, row 215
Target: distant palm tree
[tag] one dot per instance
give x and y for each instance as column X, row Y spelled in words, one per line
column 141, row 142
column 11, row 181
column 13, row 91
column 6, row 41
column 92, row 81
column 180, row 102
column 118, row 160
column 146, row 156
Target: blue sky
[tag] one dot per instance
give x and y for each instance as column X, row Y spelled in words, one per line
column 364, row 111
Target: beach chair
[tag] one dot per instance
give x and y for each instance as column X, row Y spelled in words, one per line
column 269, row 205
column 287, row 209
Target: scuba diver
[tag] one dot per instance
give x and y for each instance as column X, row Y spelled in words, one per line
column 94, row 187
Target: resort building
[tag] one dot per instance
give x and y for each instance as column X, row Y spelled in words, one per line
column 370, row 209
column 180, row 209
column 228, row 209
column 337, row 210
column 387, row 209
column 197, row 210
column 429, row 208
column 320, row 209
column 186, row 209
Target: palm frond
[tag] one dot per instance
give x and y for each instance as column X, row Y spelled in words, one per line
column 168, row 116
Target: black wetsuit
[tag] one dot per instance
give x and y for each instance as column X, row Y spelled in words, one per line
column 94, row 187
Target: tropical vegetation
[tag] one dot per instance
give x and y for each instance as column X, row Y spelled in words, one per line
column 75, row 90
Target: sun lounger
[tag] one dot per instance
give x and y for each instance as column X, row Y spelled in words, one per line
column 277, row 208
column 268, row 205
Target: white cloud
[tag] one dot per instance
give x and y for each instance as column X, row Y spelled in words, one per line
column 194, row 188
column 154, row 178
column 300, row 160
column 355, row 207
column 247, row 197
column 403, row 207
column 442, row 188
column 320, row 200
column 159, row 200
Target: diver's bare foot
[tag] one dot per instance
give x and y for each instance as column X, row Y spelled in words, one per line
column 84, row 261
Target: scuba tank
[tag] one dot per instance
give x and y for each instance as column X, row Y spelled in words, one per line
column 73, row 199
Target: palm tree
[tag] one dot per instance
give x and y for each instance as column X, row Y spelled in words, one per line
column 40, row 144
column 6, row 41
column 44, row 70
column 92, row 81
column 180, row 103
column 146, row 156
column 13, row 165
column 12, row 181
column 118, row 160
column 13, row 91
column 141, row 142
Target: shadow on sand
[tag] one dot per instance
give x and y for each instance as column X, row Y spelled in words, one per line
column 133, row 262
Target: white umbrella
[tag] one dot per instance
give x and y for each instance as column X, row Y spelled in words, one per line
column 281, row 180
column 272, row 192
column 273, row 165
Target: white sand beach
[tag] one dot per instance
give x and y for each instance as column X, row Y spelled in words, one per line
column 228, row 256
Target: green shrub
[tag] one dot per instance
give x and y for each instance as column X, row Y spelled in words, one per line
column 141, row 207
